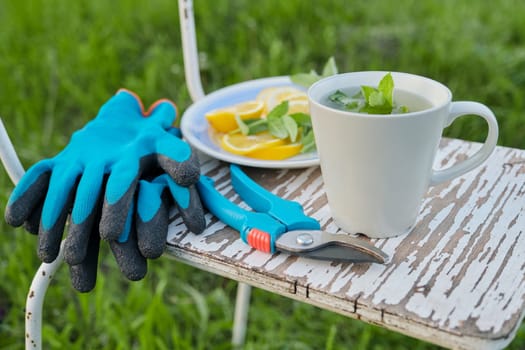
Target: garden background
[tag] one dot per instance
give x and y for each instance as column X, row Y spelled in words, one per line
column 60, row 60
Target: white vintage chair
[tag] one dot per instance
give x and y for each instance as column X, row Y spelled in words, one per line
column 11, row 162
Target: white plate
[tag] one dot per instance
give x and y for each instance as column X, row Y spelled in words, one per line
column 194, row 125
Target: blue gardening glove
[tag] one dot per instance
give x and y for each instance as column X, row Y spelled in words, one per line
column 145, row 231
column 129, row 260
column 118, row 145
column 153, row 202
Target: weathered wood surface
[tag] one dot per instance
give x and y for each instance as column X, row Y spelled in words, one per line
column 457, row 280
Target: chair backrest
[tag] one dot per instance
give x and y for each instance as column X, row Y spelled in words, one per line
column 189, row 50
column 8, row 155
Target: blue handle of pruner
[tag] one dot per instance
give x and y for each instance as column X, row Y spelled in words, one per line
column 290, row 213
column 259, row 230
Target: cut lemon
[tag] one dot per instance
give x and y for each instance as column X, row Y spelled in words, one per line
column 223, row 119
column 250, row 109
column 293, row 96
column 298, row 106
column 279, row 96
column 238, row 143
column 278, row 152
column 265, row 93
column 272, row 96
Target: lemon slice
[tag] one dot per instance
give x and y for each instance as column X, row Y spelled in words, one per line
column 238, row 143
column 298, row 106
column 249, row 110
column 264, row 94
column 272, row 96
column 293, row 96
column 279, row 96
column 223, row 119
column 278, row 152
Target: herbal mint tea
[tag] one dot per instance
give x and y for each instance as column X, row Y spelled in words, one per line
column 350, row 99
column 376, row 100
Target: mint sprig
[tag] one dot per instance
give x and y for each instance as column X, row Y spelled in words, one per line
column 283, row 125
column 276, row 125
column 370, row 99
column 295, row 126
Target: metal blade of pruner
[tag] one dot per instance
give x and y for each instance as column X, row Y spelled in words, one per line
column 325, row 245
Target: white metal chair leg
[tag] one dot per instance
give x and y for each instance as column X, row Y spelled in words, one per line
column 44, row 275
column 193, row 80
column 35, row 301
column 240, row 321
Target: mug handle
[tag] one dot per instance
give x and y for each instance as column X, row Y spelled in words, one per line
column 458, row 109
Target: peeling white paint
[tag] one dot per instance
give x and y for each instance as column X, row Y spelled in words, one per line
column 460, row 273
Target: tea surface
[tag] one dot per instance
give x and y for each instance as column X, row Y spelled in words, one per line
column 412, row 101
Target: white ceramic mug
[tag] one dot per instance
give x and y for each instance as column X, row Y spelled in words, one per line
column 377, row 168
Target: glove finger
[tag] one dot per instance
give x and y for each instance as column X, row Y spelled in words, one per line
column 124, row 103
column 55, row 211
column 193, row 214
column 175, row 156
column 152, row 219
column 163, row 112
column 131, row 263
column 62, row 183
column 124, row 236
column 189, row 204
column 86, row 213
column 32, row 224
column 175, row 132
column 87, row 194
column 84, row 275
column 120, row 190
column 28, row 193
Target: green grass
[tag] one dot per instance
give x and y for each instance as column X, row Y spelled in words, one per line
column 60, row 60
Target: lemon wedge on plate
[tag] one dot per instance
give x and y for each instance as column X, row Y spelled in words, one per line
column 238, row 143
column 278, row 152
column 223, row 119
column 298, row 106
column 272, row 96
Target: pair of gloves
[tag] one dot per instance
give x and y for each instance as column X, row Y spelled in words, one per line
column 115, row 181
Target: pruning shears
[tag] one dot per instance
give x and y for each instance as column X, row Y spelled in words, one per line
column 278, row 224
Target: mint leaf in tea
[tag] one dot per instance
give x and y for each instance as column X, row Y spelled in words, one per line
column 369, row 99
